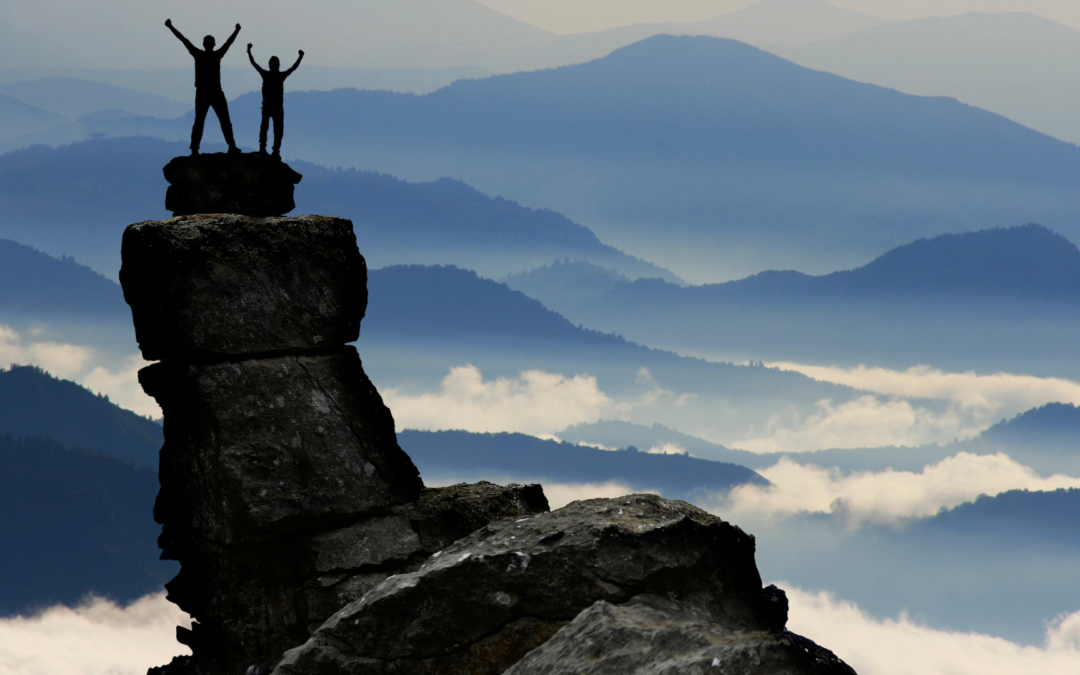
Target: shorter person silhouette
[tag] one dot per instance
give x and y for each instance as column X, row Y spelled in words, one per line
column 273, row 105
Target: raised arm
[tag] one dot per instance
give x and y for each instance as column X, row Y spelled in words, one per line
column 228, row 43
column 187, row 43
column 252, row 59
column 295, row 65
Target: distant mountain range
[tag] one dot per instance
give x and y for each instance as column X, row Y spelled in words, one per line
column 958, row 301
column 1022, row 66
column 32, row 282
column 500, row 457
column 77, row 199
column 74, row 523
column 710, row 157
column 34, row 404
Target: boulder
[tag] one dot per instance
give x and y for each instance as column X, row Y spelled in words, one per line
column 254, row 600
column 267, row 445
column 654, row 635
column 483, row 603
column 250, row 184
column 220, row 286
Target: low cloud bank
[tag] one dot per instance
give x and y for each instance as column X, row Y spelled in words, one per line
column 902, row 647
column 969, row 404
column 80, row 364
column 535, row 402
column 886, row 497
column 96, row 638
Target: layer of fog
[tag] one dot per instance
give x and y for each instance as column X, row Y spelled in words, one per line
column 96, row 638
column 885, row 497
column 100, row 638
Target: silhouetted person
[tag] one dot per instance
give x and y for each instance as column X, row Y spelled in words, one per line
column 273, row 105
column 208, row 92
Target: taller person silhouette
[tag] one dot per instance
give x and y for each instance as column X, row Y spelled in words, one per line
column 208, row 93
column 273, row 105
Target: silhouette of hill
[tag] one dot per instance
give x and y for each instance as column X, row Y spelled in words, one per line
column 36, row 404
column 742, row 160
column 74, row 523
column 986, row 60
column 959, row 301
column 36, row 283
column 18, row 119
column 1050, row 516
column 501, row 456
column 1057, row 422
column 74, row 97
column 77, row 199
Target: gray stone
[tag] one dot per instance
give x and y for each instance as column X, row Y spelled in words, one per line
column 256, row 599
column 250, row 184
column 217, row 286
column 653, row 635
column 492, row 597
column 275, row 444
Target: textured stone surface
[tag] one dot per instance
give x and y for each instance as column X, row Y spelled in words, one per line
column 255, row 600
column 653, row 635
column 503, row 590
column 250, row 184
column 217, row 286
column 264, row 445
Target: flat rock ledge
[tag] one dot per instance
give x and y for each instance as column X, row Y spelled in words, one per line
column 485, row 603
column 249, row 184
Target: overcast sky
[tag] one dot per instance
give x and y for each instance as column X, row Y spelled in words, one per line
column 130, row 33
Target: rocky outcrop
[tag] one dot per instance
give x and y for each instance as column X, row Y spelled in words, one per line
column 249, row 184
column 308, row 543
column 552, row 592
column 210, row 287
column 284, row 493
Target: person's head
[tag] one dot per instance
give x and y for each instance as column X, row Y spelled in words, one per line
column 208, row 42
column 275, row 63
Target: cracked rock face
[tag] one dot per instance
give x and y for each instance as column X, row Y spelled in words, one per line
column 212, row 287
column 265, row 444
column 654, row 635
column 483, row 603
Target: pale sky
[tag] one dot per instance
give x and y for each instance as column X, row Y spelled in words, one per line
column 130, row 33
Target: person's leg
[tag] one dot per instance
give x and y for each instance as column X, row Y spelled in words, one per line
column 221, row 109
column 263, row 128
column 201, row 106
column 279, row 130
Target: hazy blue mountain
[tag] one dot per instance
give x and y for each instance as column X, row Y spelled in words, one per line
column 787, row 22
column 32, row 282
column 707, row 156
column 1046, row 438
column 498, row 457
column 34, row 404
column 73, row 97
column 956, row 301
column 74, row 523
column 1022, row 66
column 19, row 119
column 565, row 283
column 422, row 321
column 77, row 200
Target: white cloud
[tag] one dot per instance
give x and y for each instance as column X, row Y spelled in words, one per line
column 885, row 497
column 535, row 402
column 864, row 422
column 667, row 449
column 80, row 364
column 901, row 647
column 996, row 392
column 96, row 638
column 968, row 404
